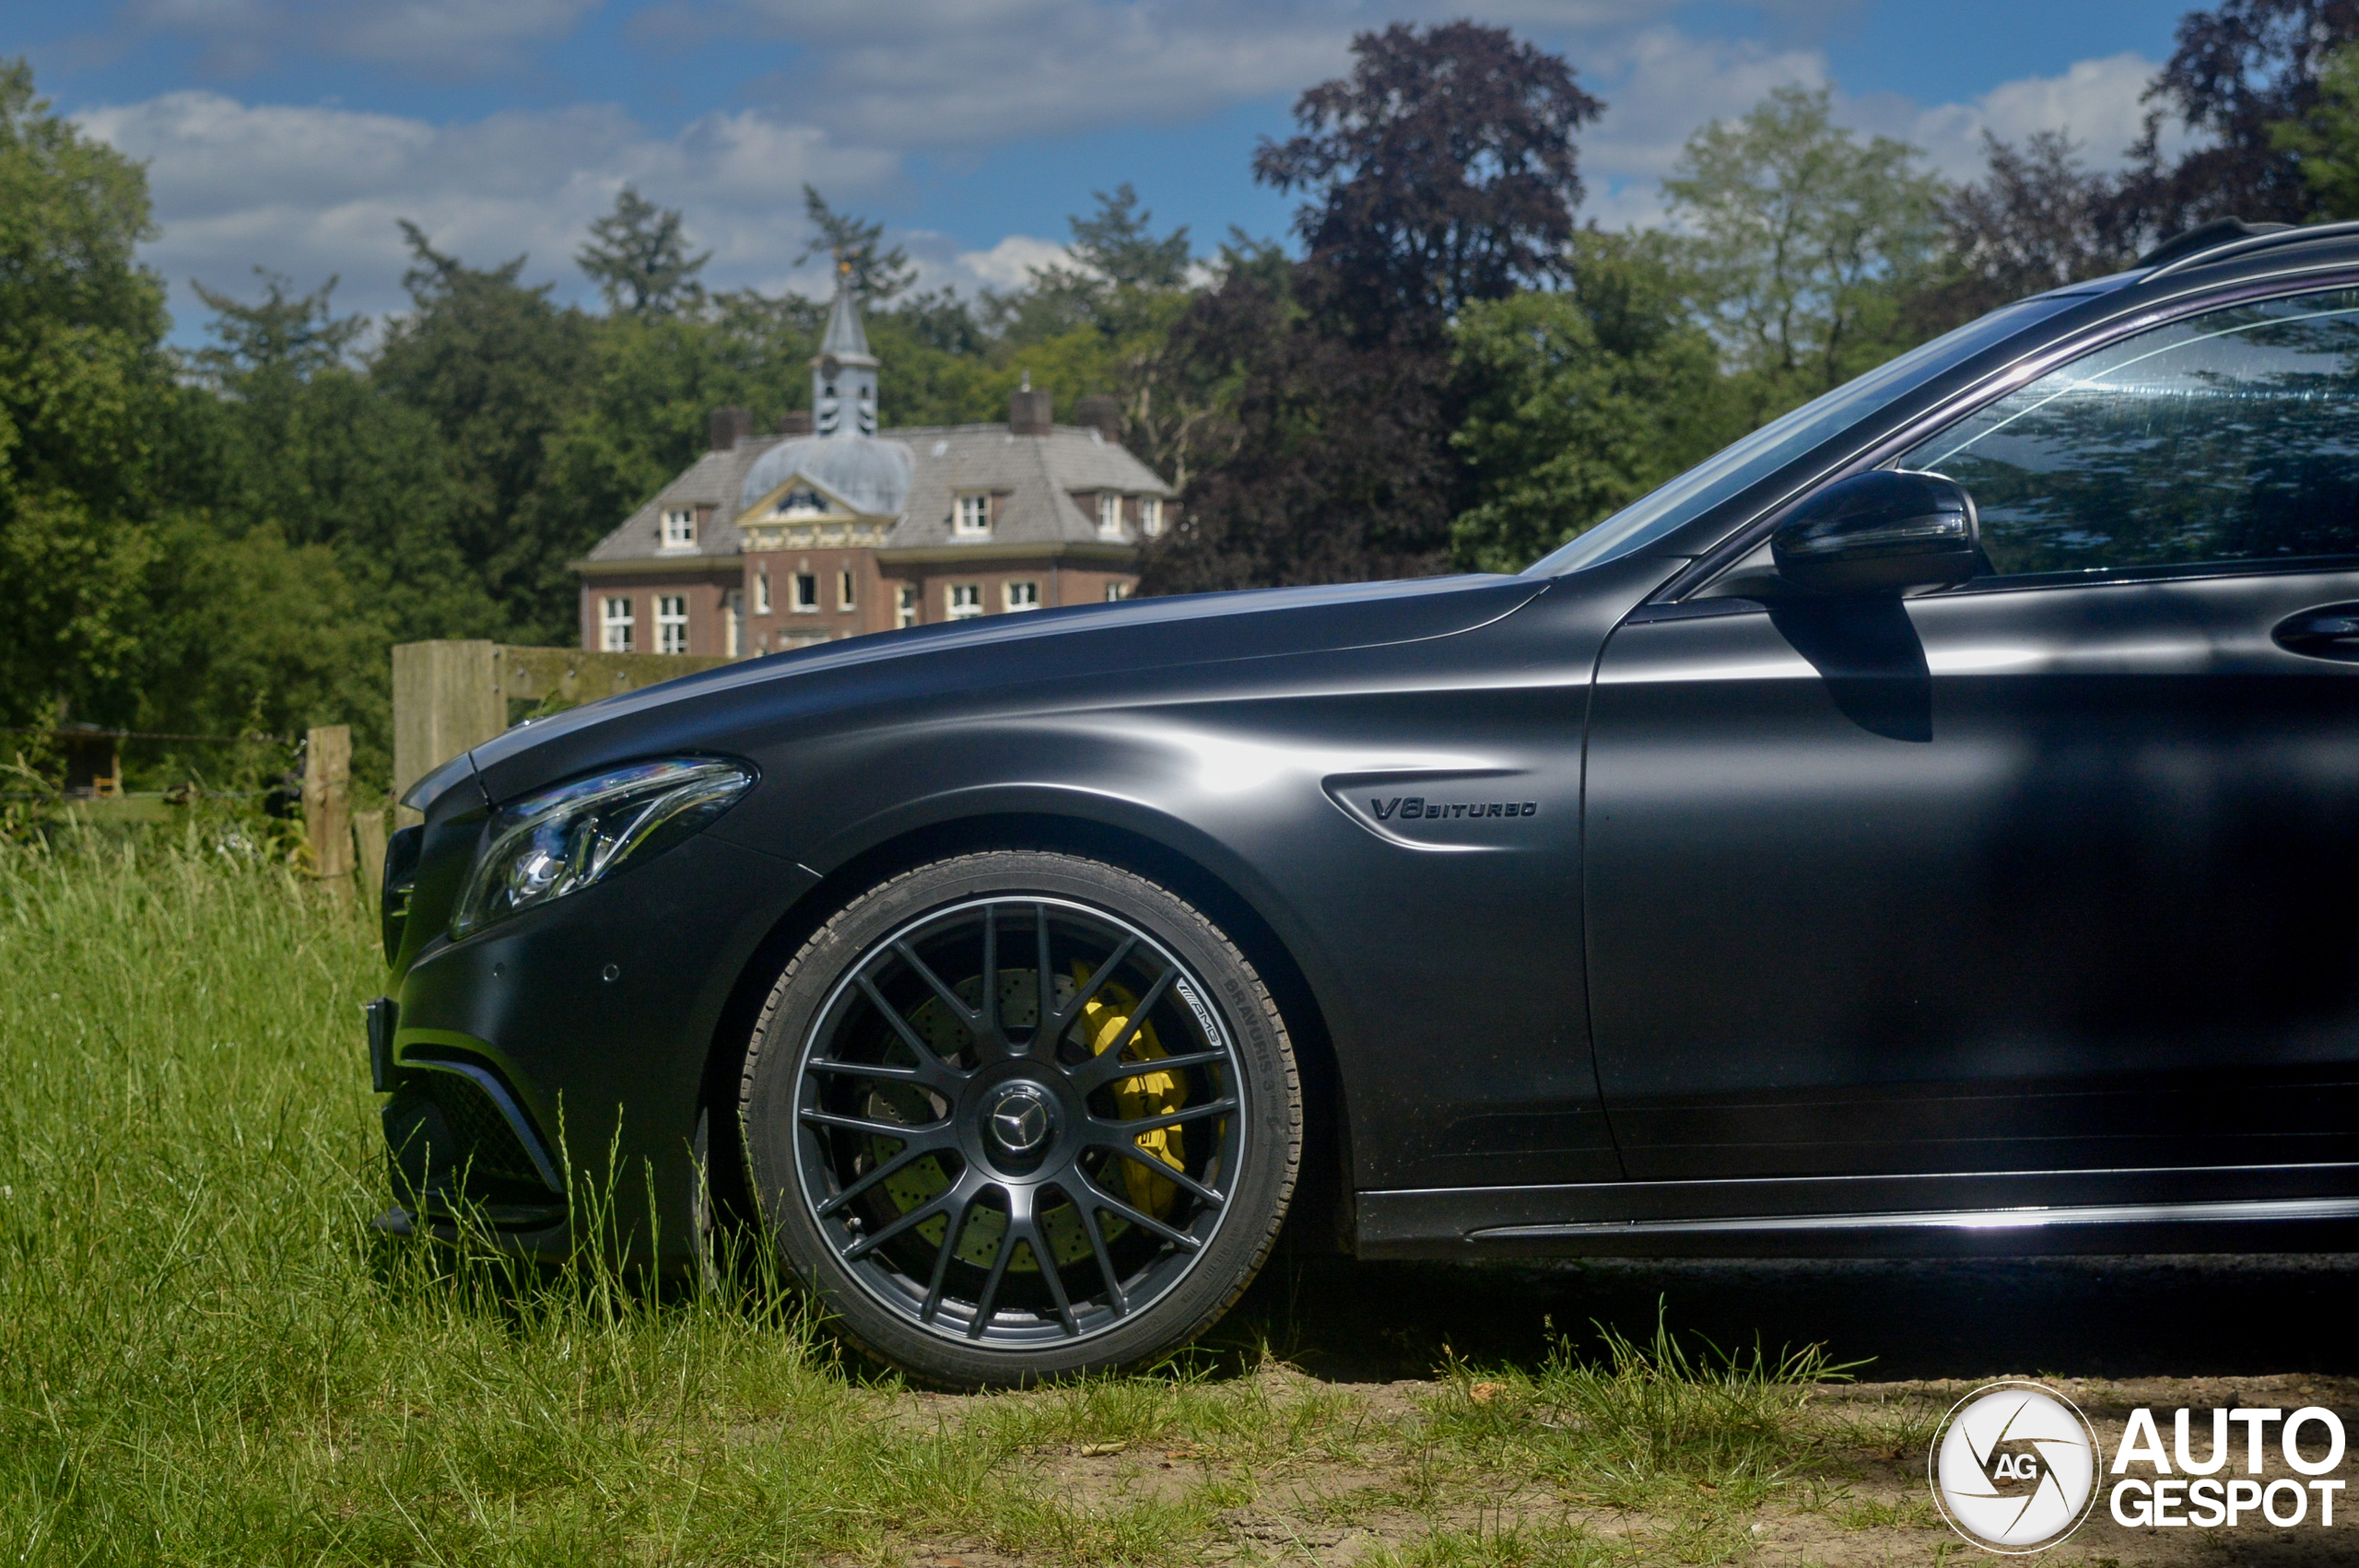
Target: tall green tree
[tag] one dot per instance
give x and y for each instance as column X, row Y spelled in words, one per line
column 638, row 258
column 85, row 392
column 498, row 369
column 1806, row 242
column 2323, row 141
column 1580, row 400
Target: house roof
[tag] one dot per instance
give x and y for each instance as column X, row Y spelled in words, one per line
column 1037, row 476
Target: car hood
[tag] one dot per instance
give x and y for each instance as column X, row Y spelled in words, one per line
column 994, row 653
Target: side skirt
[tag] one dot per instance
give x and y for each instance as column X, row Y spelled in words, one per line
column 2271, row 1207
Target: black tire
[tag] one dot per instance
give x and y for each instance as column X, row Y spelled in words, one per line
column 919, row 1151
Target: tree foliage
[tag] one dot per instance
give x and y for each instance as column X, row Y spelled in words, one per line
column 1441, row 170
column 1582, row 400
column 638, row 258
column 1806, row 242
column 2040, row 219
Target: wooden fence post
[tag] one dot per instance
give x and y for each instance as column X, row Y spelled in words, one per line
column 369, row 836
column 327, row 801
column 446, row 699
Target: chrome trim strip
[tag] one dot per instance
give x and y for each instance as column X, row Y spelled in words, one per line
column 2028, row 1218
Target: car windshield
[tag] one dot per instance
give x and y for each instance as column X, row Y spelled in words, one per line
column 1709, row 483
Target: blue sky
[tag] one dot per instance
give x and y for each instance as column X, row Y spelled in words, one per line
column 293, row 133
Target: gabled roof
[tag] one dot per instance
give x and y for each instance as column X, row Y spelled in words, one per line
column 1038, row 476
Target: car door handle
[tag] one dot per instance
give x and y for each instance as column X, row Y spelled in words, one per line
column 2330, row 631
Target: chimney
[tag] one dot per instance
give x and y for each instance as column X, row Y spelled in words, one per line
column 1102, row 413
column 795, row 424
column 731, row 425
column 1028, row 411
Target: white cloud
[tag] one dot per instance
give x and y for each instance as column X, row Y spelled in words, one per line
column 435, row 38
column 311, row 191
column 1010, row 263
column 2097, row 101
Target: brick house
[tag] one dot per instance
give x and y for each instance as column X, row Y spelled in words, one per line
column 831, row 528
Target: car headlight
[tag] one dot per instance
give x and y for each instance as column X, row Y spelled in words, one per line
column 561, row 840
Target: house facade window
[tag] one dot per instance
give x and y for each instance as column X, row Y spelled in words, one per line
column 615, row 623
column 963, row 600
column 672, row 623
column 1109, row 515
column 1150, row 516
column 1116, row 591
column 844, row 601
column 806, row 593
column 680, row 528
column 905, row 612
column 732, row 615
column 974, row 517
column 762, row 592
column 1022, row 595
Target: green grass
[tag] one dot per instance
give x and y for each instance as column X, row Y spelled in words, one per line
column 208, row 1356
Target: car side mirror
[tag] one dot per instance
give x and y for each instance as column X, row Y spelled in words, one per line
column 1879, row 532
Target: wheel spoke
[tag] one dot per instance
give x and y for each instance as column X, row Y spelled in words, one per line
column 1107, row 1067
column 1120, row 1209
column 924, row 1135
column 950, row 999
column 1137, row 1021
column 869, row 1069
column 1088, row 1212
column 918, row 1044
column 908, row 1154
column 1036, row 1236
column 1044, row 1039
column 986, row 1305
column 1177, row 1178
column 1097, row 978
column 946, row 1251
column 1128, row 1132
column 992, row 1029
column 915, row 1217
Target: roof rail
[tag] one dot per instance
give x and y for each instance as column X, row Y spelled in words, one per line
column 2225, row 236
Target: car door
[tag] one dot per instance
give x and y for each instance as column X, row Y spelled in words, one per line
column 2051, row 871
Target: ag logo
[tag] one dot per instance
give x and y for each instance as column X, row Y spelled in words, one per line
column 2014, row 1467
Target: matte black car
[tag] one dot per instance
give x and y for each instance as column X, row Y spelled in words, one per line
column 1930, row 825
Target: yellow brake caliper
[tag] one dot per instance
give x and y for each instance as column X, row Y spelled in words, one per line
column 1103, row 1020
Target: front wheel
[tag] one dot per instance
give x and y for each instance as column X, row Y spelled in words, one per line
column 1019, row 1114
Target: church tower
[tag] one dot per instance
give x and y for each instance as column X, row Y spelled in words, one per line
column 843, row 375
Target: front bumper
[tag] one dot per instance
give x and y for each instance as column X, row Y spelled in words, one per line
column 546, row 1073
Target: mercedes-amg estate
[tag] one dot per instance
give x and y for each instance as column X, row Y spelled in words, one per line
column 1930, row 825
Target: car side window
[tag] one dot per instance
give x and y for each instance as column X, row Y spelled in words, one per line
column 2231, row 437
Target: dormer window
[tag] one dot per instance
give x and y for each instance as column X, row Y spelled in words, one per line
column 803, row 501
column 973, row 518
column 1109, row 515
column 1150, row 515
column 680, row 528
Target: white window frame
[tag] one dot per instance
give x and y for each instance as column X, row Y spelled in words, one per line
column 679, row 527
column 972, row 519
column 905, row 611
column 1150, row 517
column 1116, row 591
column 615, row 623
column 671, row 622
column 762, row 591
column 806, row 593
column 1109, row 514
column 846, row 593
column 962, row 601
column 1024, row 595
column 732, row 619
